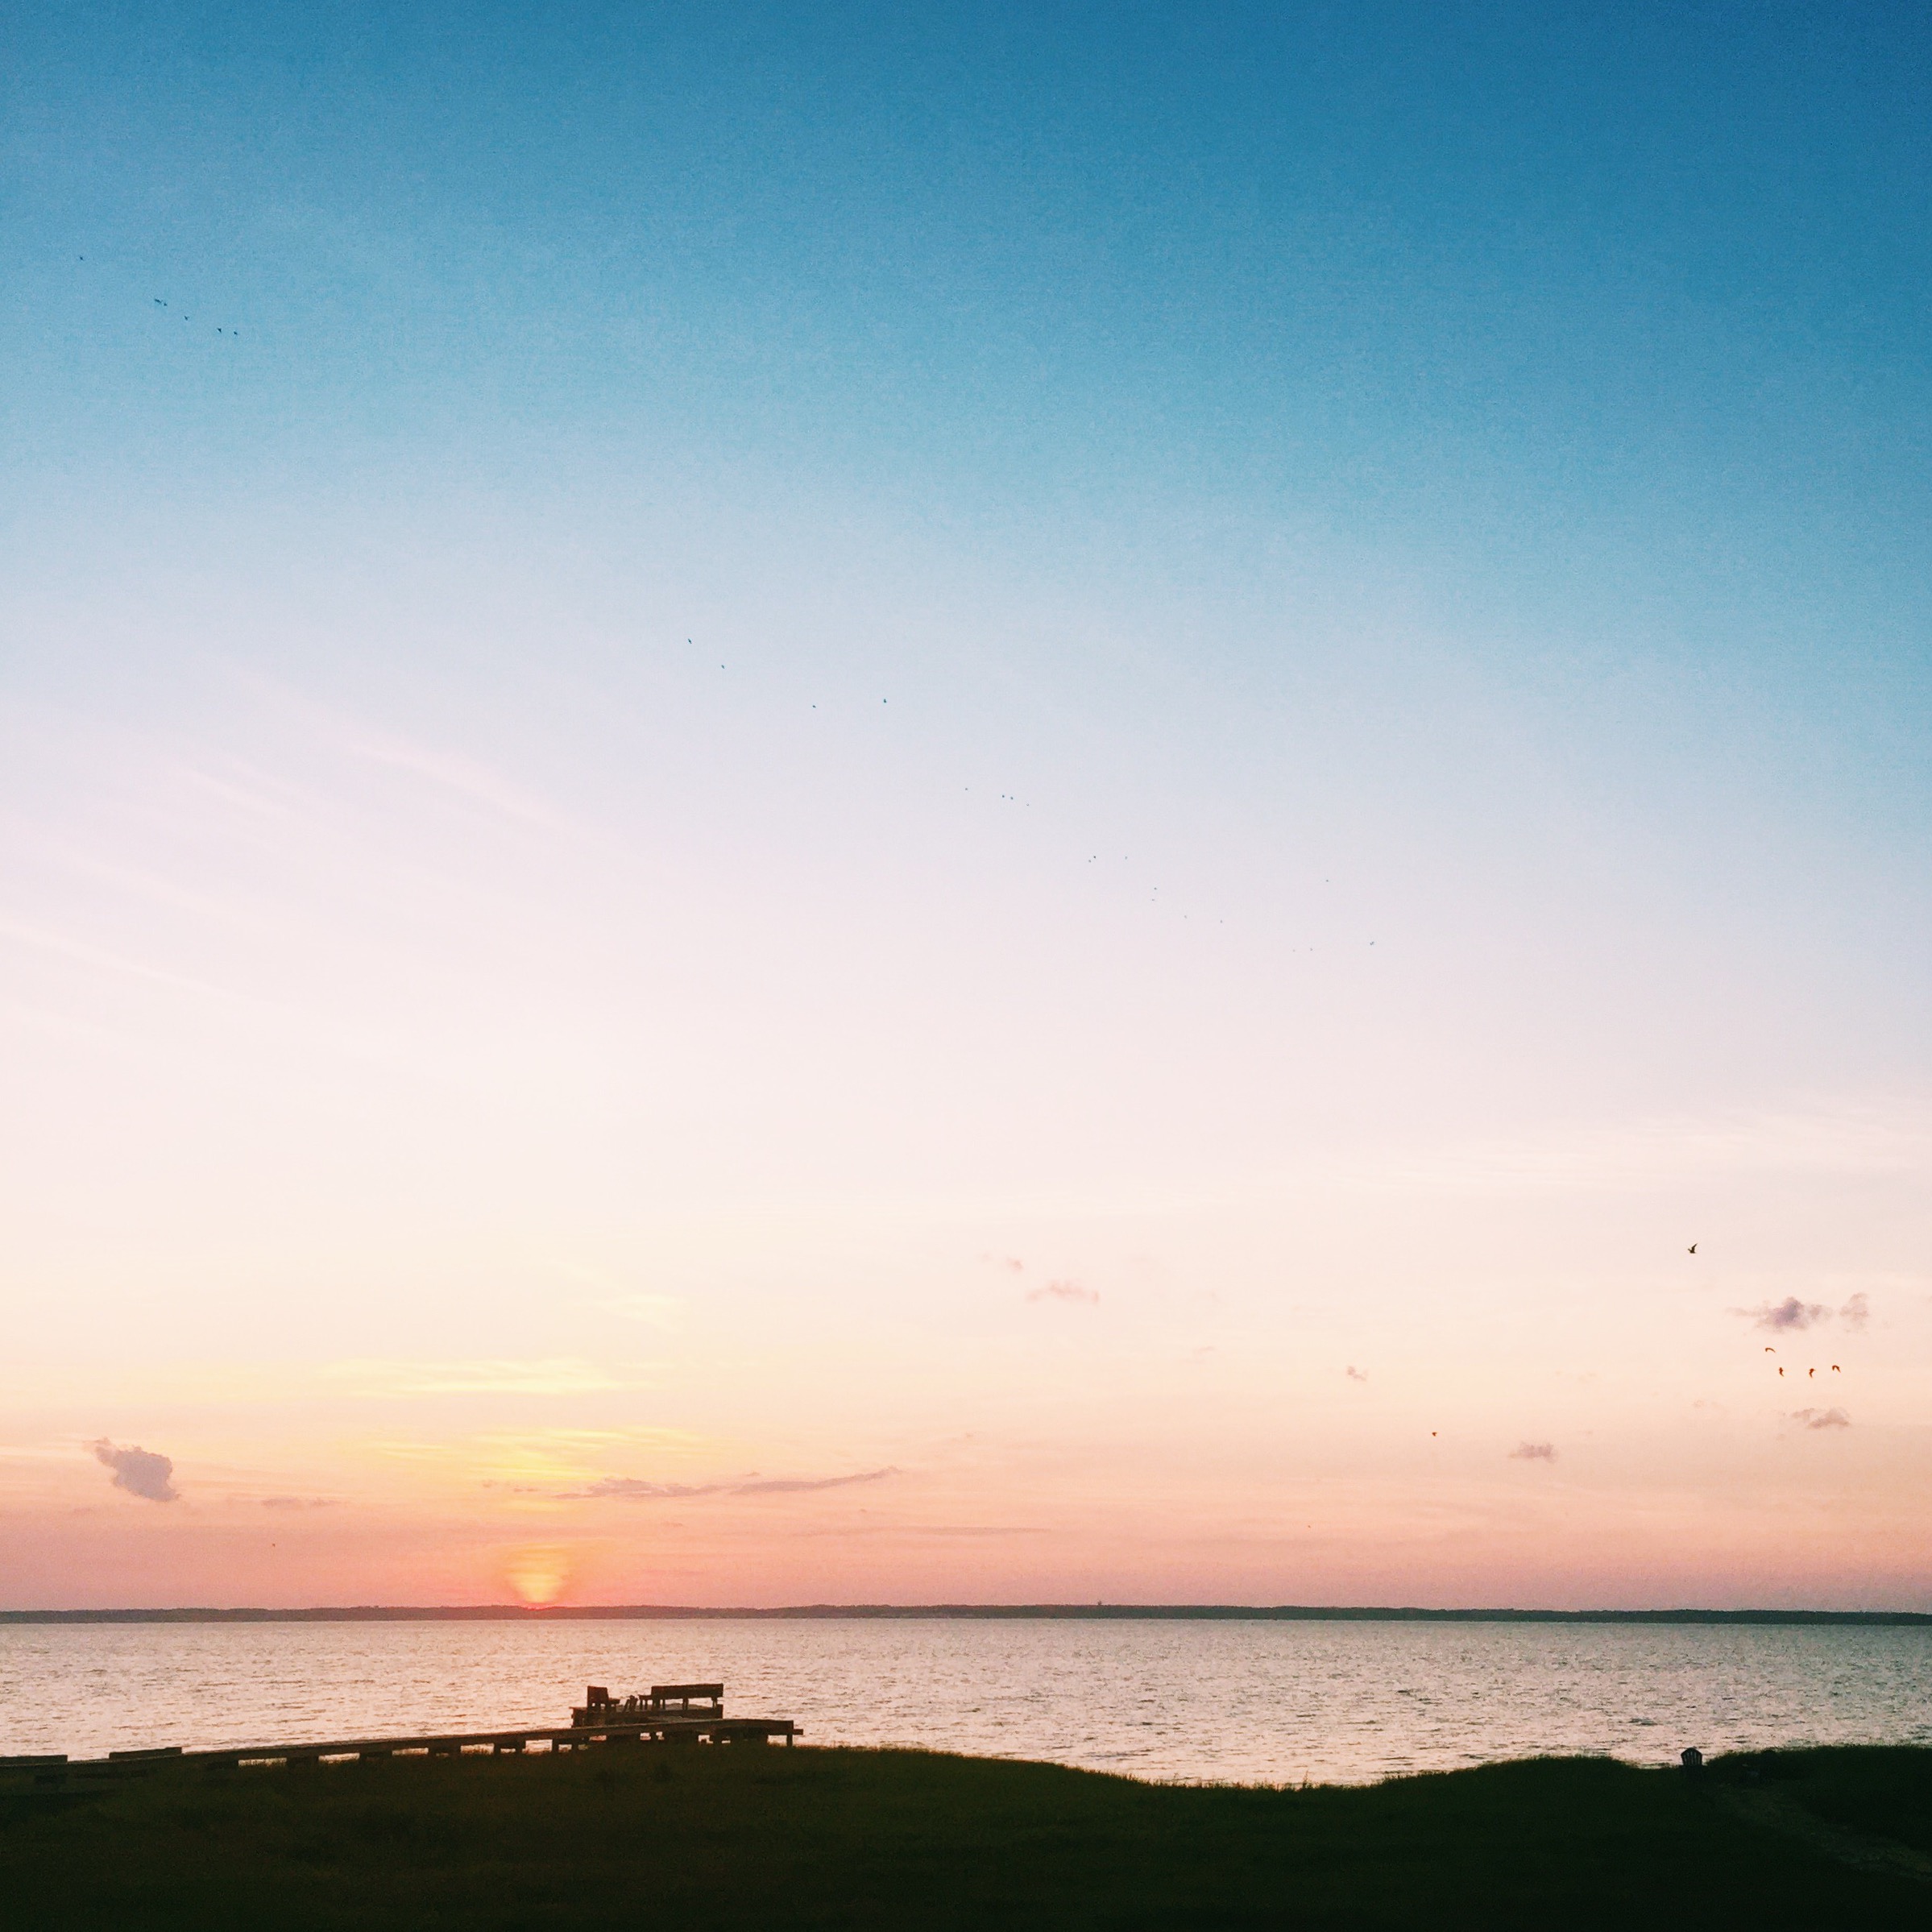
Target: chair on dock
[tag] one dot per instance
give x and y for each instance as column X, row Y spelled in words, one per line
column 686, row 1703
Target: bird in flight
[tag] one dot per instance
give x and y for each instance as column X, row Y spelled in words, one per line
column 1780, row 1371
column 1810, row 1372
column 1769, row 1349
column 1692, row 1248
column 1836, row 1369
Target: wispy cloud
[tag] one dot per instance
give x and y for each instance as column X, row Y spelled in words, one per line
column 301, row 1502
column 140, row 1472
column 656, row 1310
column 1354, row 1374
column 1821, row 1419
column 1063, row 1291
column 1828, row 1139
column 925, row 1529
column 1789, row 1313
column 465, row 777
column 774, row 1485
column 1533, row 1451
column 1855, row 1312
column 551, row 1376
column 636, row 1489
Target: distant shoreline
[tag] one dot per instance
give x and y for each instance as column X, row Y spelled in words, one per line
column 1226, row 1613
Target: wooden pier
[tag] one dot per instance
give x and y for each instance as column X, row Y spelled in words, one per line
column 668, row 1713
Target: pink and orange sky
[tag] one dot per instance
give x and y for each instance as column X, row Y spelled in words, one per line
column 849, row 811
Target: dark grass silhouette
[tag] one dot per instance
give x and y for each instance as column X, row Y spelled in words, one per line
column 753, row 1837
column 1879, row 1789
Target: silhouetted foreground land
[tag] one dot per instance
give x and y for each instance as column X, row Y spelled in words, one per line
column 756, row 1837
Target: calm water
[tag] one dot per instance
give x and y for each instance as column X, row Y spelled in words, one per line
column 1251, row 1702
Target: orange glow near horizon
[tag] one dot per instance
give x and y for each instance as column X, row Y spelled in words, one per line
column 538, row 1575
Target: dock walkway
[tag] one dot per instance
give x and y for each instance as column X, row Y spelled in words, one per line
column 673, row 1713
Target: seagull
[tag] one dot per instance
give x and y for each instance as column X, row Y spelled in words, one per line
column 1810, row 1372
column 1780, row 1371
column 1769, row 1349
column 1836, row 1369
column 1692, row 1248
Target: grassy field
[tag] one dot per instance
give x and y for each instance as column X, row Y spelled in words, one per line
column 769, row 1838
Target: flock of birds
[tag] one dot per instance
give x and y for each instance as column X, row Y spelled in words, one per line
column 161, row 302
column 1811, row 1374
column 233, row 334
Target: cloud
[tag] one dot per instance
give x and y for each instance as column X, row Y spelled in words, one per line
column 783, row 1485
column 1064, row 1291
column 1855, row 1312
column 636, row 1489
column 658, row 1311
column 1821, row 1419
column 139, row 1471
column 299, row 1502
column 477, row 783
column 1533, row 1451
column 1829, row 1140
column 1789, row 1313
column 551, row 1375
column 1354, row 1374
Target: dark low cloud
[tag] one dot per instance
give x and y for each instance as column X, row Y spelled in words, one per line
column 139, row 1471
column 1789, row 1313
column 1533, row 1451
column 634, row 1489
column 926, row 1529
column 1821, row 1419
column 637, row 1489
column 1064, row 1291
column 784, row 1486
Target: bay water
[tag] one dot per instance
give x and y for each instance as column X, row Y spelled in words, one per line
column 1272, row 1702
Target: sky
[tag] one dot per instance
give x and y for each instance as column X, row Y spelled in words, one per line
column 968, row 803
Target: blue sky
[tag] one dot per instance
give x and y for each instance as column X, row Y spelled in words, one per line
column 930, row 634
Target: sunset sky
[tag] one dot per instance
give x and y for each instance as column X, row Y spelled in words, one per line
column 974, row 802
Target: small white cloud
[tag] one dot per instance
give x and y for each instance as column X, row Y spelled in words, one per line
column 657, row 1311
column 1354, row 1374
column 1821, row 1419
column 555, row 1375
column 139, row 1471
column 1788, row 1314
column 1533, row 1451
column 635, row 1489
column 1855, row 1312
column 1064, row 1291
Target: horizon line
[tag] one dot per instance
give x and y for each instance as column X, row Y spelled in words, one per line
column 1098, row 1612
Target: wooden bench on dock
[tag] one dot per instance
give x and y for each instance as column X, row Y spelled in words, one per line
column 599, row 1707
column 691, row 1713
